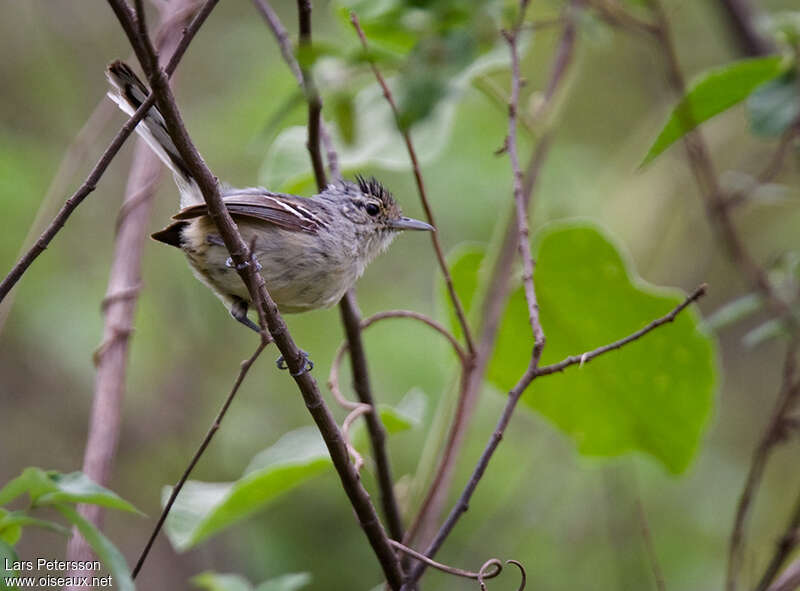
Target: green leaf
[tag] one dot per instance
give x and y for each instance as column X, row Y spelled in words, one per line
column 654, row 395
column 202, row 509
column 774, row 106
column 7, row 556
column 102, row 546
column 76, row 487
column 714, row 92
column 11, row 524
column 34, row 481
column 221, row 582
column 52, row 487
column 375, row 139
column 287, row 582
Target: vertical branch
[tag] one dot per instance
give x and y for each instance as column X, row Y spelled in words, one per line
column 351, row 320
column 719, row 215
column 312, row 96
column 348, row 307
column 267, row 309
column 119, row 307
column 412, row 154
column 495, row 301
column 740, row 16
column 533, row 309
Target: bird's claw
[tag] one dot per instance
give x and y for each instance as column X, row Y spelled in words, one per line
column 307, row 366
column 230, row 264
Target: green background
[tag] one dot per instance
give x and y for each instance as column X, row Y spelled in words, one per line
column 571, row 519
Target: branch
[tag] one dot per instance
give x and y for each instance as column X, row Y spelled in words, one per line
column 268, row 311
column 495, row 301
column 351, row 316
column 773, row 433
column 530, row 374
column 119, row 307
column 90, row 184
column 351, row 320
column 412, row 154
column 787, row 543
column 584, row 358
column 312, row 96
column 245, row 367
column 530, row 294
column 739, row 14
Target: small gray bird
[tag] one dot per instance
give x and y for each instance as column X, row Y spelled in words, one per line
column 310, row 250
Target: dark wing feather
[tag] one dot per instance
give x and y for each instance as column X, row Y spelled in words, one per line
column 285, row 211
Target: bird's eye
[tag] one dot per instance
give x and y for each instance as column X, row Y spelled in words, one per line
column 372, row 209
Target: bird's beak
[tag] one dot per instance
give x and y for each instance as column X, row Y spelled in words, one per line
column 410, row 224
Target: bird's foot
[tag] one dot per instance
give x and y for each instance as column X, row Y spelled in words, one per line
column 230, row 264
column 307, row 366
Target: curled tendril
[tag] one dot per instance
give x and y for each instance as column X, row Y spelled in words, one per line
column 489, row 570
column 357, row 408
column 521, row 568
column 485, row 572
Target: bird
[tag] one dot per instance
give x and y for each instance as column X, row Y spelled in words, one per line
column 309, row 250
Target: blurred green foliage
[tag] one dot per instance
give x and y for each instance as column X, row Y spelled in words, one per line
column 540, row 502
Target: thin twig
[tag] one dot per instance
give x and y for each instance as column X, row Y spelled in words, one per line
column 771, row 436
column 588, row 356
column 90, row 184
column 530, row 293
column 350, row 314
column 312, row 96
column 246, row 365
column 452, row 570
column 351, row 320
column 495, row 300
column 119, row 306
column 530, row 374
column 787, row 543
column 268, row 311
column 658, row 573
column 459, row 308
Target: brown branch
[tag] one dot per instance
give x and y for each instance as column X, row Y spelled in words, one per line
column 787, row 543
column 658, row 573
column 351, row 320
column 451, row 570
column 90, row 184
column 533, row 308
column 702, row 166
column 584, row 358
column 771, row 436
column 530, row 374
column 412, row 154
column 119, row 307
column 351, row 316
column 245, row 367
column 312, row 96
column 740, row 17
column 789, row 579
column 495, row 301
column 268, row 311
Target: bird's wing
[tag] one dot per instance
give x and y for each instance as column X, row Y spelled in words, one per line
column 285, row 211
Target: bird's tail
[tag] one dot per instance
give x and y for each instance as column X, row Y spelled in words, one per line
column 129, row 93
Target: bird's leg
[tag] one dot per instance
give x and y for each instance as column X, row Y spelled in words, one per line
column 239, row 312
column 308, row 365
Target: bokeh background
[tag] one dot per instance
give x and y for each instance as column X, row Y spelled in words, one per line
column 572, row 521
